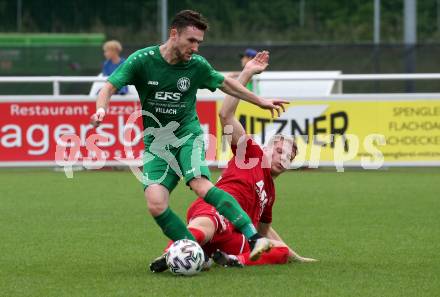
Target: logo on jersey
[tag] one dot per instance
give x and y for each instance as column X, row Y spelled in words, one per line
column 261, row 192
column 153, row 83
column 183, row 84
column 168, row 96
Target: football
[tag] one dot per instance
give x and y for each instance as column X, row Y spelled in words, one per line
column 185, row 257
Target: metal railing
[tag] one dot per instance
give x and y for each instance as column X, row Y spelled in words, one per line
column 364, row 77
column 57, row 80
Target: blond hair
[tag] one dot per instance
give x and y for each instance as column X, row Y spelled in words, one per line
column 287, row 138
column 112, row 45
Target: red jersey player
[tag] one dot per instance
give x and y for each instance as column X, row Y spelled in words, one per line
column 249, row 179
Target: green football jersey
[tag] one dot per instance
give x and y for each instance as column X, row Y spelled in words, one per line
column 250, row 86
column 167, row 91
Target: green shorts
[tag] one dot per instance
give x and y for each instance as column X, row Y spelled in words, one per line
column 166, row 166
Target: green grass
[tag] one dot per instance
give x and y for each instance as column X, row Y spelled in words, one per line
column 376, row 233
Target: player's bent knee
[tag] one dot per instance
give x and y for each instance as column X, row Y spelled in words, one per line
column 200, row 186
column 157, row 199
column 205, row 224
column 156, row 209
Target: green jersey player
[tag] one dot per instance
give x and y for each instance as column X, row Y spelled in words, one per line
column 167, row 78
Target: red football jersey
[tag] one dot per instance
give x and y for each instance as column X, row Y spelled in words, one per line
column 249, row 183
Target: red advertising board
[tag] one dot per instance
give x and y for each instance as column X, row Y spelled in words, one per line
column 30, row 131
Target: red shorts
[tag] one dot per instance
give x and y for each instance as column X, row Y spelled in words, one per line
column 226, row 238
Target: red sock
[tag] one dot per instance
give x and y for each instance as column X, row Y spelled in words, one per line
column 198, row 235
column 277, row 255
column 168, row 246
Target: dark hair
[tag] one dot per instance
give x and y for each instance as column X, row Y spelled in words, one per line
column 189, row 18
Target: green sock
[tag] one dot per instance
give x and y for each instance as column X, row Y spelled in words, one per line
column 172, row 226
column 229, row 208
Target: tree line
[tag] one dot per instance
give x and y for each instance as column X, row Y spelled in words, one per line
column 237, row 21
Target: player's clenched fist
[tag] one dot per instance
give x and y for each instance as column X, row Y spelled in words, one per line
column 97, row 118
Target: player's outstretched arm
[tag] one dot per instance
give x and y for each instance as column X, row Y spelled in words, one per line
column 229, row 106
column 102, row 103
column 268, row 231
column 236, row 89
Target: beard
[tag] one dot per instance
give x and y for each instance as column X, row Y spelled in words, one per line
column 182, row 56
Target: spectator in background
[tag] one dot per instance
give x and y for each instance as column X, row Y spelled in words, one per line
column 248, row 55
column 245, row 57
column 112, row 50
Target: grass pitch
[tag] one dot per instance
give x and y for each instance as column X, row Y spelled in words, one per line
column 376, row 233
